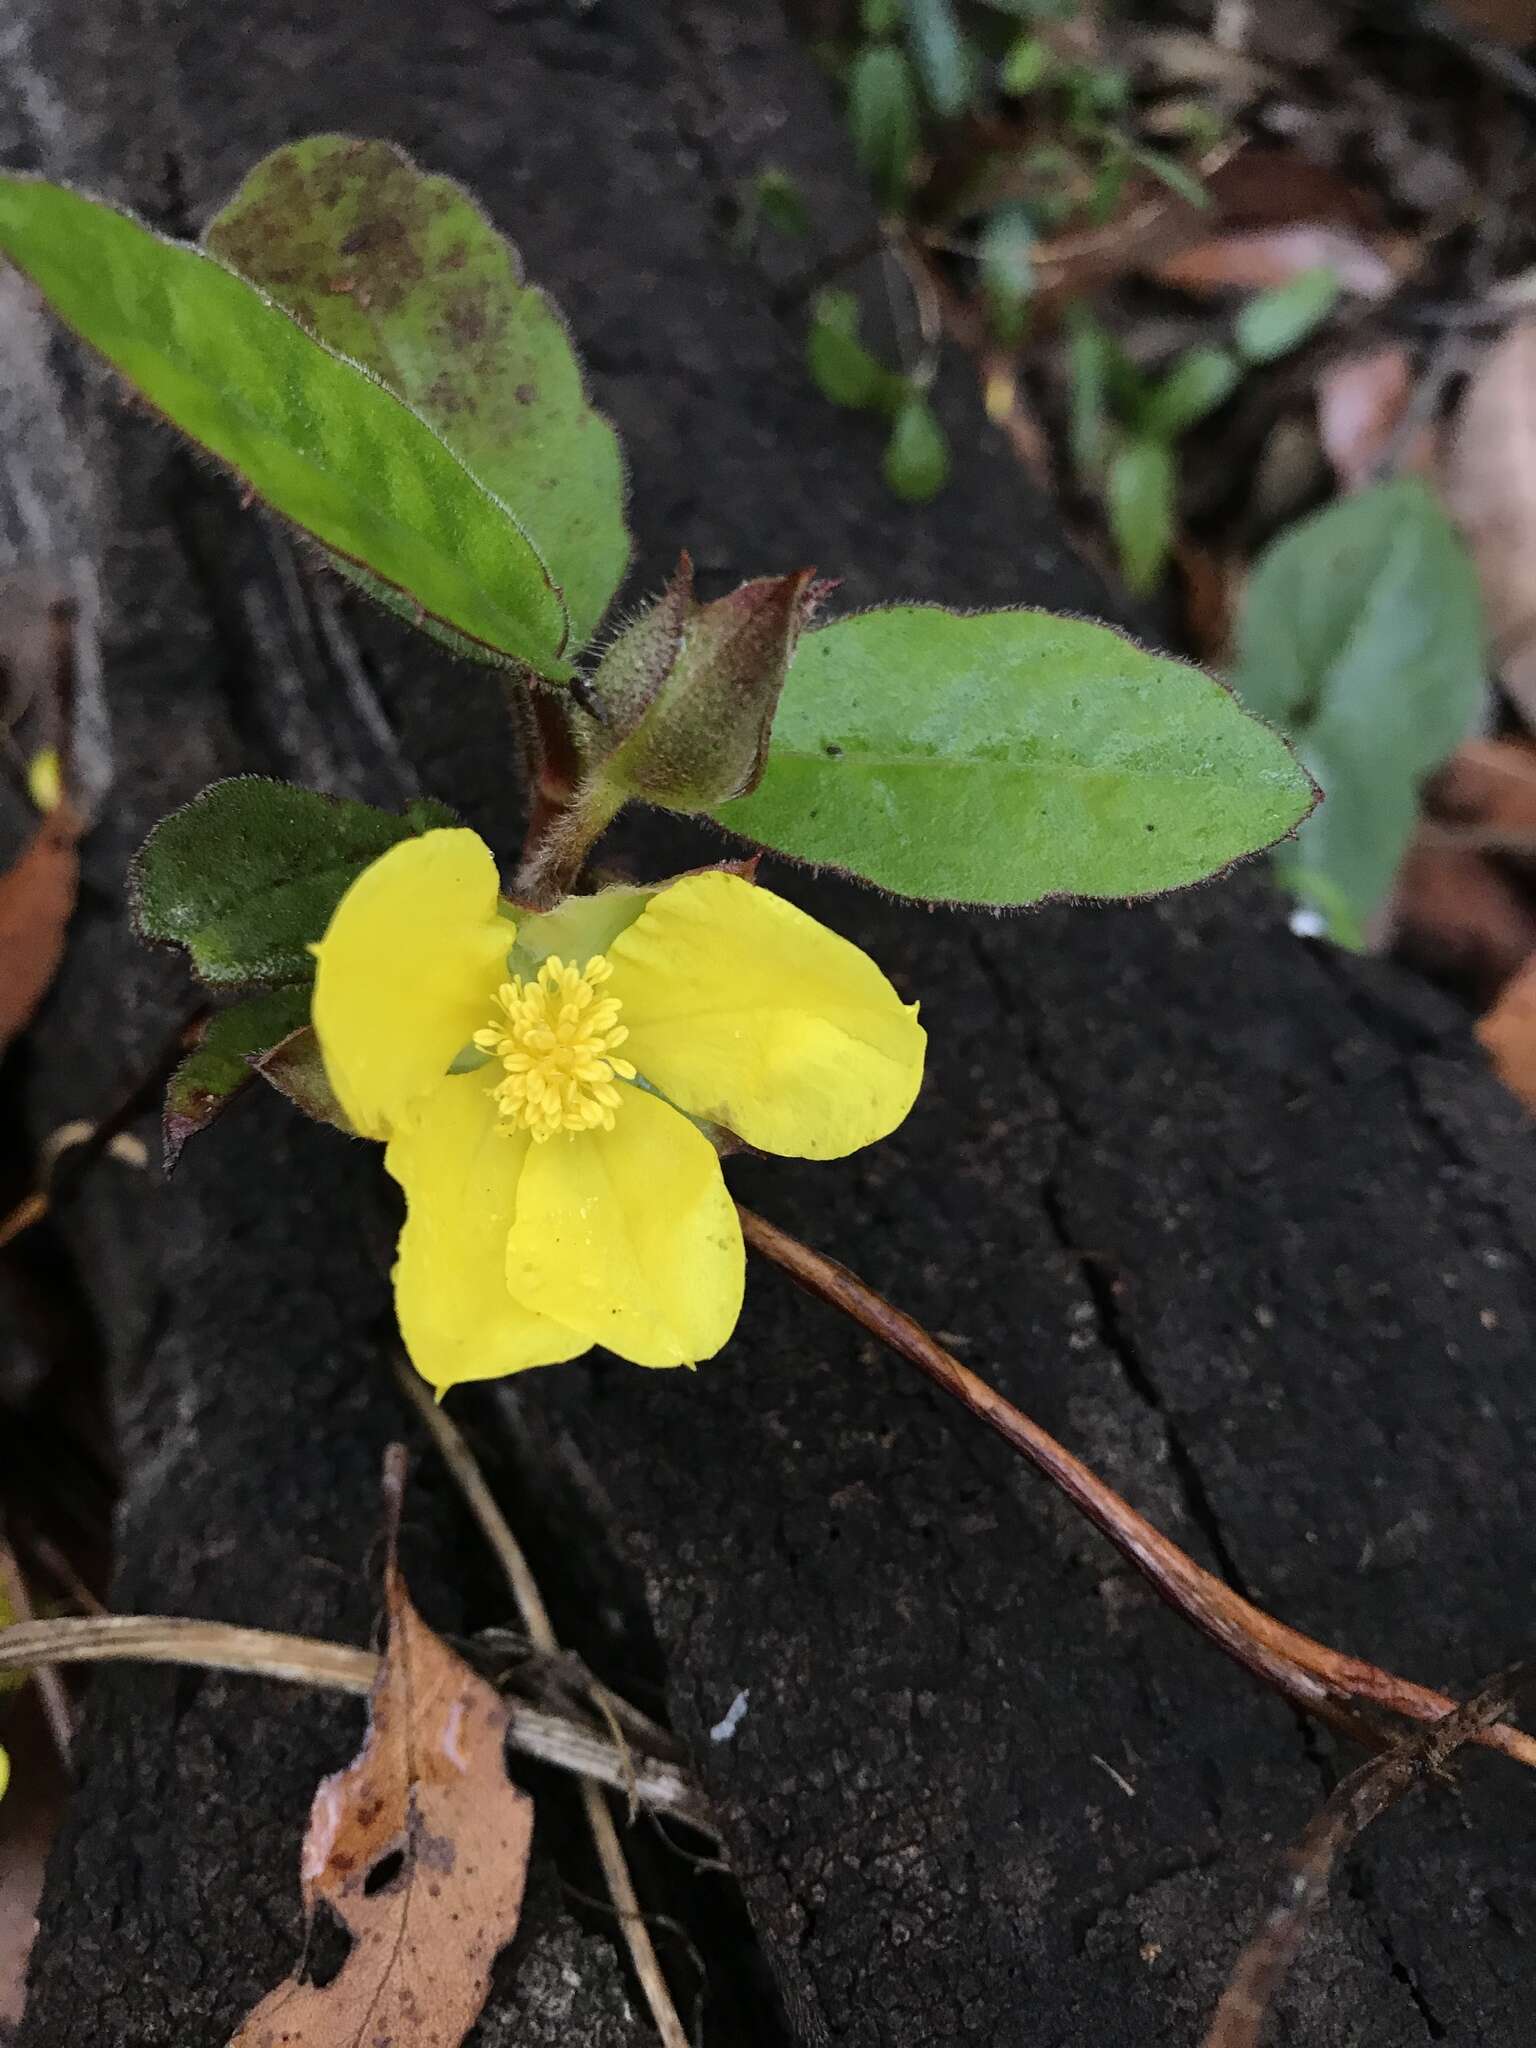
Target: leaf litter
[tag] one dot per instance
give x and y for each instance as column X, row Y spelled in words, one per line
column 419, row 1848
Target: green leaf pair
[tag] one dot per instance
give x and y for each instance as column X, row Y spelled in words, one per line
column 916, row 460
column 1125, row 423
column 357, row 344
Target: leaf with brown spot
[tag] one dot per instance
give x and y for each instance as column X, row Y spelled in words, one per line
column 1491, row 484
column 37, row 895
column 295, row 1068
column 429, row 1787
column 405, row 274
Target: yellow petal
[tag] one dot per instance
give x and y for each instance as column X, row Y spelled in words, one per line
column 629, row 1236
column 460, row 1173
column 406, row 973
column 749, row 1013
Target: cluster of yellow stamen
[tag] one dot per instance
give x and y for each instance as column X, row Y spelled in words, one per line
column 556, row 1039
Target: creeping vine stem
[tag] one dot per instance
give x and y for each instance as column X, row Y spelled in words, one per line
column 1324, row 1681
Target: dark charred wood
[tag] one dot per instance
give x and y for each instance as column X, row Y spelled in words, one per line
column 1246, row 1222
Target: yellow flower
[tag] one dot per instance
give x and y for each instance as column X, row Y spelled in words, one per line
column 559, row 1192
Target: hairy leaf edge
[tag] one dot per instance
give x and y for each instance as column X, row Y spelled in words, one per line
column 1054, row 896
column 523, row 282
column 498, row 657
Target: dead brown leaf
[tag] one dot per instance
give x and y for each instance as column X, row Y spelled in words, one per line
column 29, row 1817
column 1276, row 186
column 1461, row 918
column 1256, row 258
column 1361, row 402
column 1491, row 485
column 1488, row 790
column 1508, row 1033
column 420, row 1846
column 37, row 895
column 1512, row 21
column 1210, row 591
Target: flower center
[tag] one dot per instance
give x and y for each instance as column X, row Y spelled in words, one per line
column 555, row 1037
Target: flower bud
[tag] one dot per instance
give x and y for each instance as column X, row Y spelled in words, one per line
column 687, row 694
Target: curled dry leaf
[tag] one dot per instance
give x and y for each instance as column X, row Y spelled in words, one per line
column 1491, row 484
column 428, row 1792
column 37, row 895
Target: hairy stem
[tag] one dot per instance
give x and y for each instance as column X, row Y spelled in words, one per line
column 1324, row 1681
column 562, row 830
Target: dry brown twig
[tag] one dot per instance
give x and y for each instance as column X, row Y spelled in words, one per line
column 529, row 1600
column 55, row 1702
column 1325, row 1681
column 68, row 1167
column 552, row 1738
column 1361, row 1798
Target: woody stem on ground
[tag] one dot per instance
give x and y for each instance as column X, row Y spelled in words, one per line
column 1324, row 1681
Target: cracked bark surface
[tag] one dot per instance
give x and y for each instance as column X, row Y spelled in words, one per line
column 1246, row 1225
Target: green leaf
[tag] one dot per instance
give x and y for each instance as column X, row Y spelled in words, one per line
column 1006, row 251
column 1276, row 321
column 883, row 119
column 210, row 1077
column 781, row 204
column 1170, row 172
column 916, row 465
column 406, row 275
column 1140, row 490
column 1106, row 385
column 1109, row 186
column 841, row 367
column 1320, row 895
column 1088, row 345
column 1195, row 386
column 1010, row 757
column 880, row 17
column 942, row 55
column 1362, row 637
column 309, row 432
column 1025, row 66
column 247, row 874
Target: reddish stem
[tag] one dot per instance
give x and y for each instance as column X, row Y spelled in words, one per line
column 1325, row 1681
